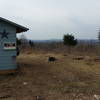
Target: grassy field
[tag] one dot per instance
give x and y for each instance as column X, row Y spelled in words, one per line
column 64, row 79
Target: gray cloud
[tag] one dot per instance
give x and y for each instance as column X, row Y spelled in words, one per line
column 52, row 18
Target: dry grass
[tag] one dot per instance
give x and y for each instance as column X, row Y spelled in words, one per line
column 65, row 79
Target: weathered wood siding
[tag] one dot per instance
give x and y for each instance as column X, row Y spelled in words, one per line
column 7, row 60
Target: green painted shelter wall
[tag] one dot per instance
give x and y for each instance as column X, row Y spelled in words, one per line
column 7, row 57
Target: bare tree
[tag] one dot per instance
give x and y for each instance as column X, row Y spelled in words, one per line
column 24, row 41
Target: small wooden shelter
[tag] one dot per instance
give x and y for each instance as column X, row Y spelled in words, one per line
column 8, row 50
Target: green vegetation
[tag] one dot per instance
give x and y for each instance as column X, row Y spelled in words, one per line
column 70, row 41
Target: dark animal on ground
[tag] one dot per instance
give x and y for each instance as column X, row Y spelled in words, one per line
column 51, row 59
column 65, row 55
column 97, row 59
column 79, row 58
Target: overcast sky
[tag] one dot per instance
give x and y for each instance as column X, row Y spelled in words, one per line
column 51, row 19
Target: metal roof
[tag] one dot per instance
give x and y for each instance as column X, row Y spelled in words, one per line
column 19, row 28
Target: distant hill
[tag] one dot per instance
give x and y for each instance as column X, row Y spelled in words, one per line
column 47, row 41
column 88, row 41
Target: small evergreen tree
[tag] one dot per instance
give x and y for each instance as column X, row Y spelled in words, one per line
column 18, row 42
column 70, row 41
column 99, row 35
column 31, row 43
column 17, row 47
